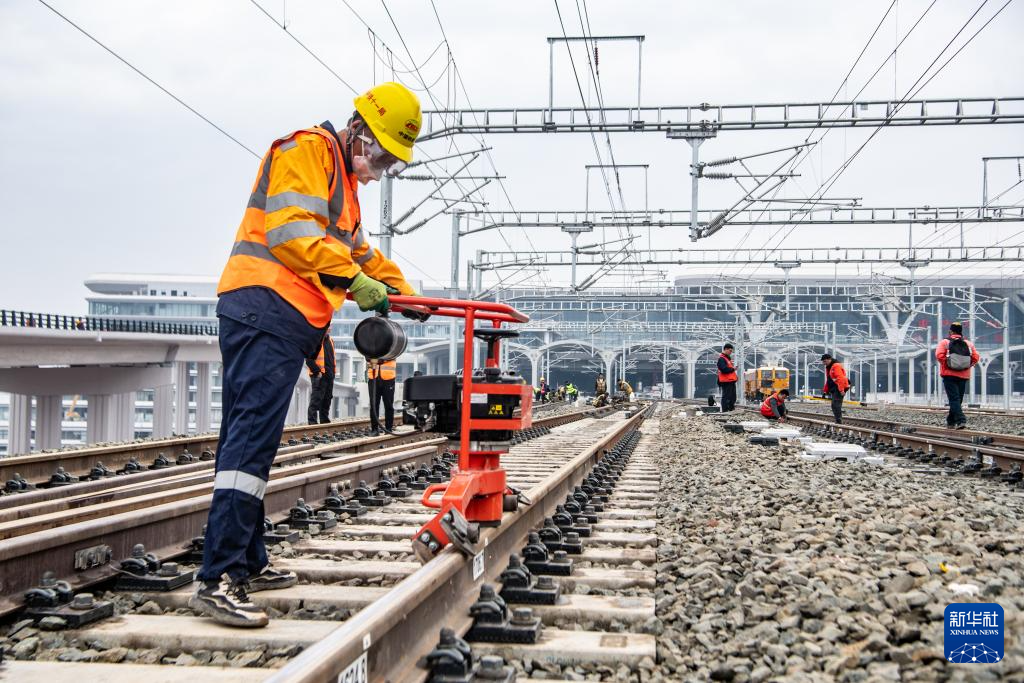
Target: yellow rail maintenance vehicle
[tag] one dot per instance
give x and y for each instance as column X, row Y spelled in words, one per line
column 761, row 382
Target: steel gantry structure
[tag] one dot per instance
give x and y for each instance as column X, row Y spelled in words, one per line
column 818, row 214
column 917, row 256
column 877, row 322
column 723, row 117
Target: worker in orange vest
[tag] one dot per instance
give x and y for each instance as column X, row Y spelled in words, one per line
column 380, row 379
column 727, row 378
column 836, row 385
column 321, row 378
column 774, row 407
column 300, row 250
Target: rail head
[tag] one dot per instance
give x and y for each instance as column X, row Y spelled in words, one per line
column 394, row 632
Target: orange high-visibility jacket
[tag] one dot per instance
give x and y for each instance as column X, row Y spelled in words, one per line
column 321, row 364
column 838, row 375
column 725, row 377
column 385, row 370
column 301, row 235
column 766, row 405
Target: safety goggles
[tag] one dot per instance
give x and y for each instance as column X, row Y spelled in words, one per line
column 380, row 160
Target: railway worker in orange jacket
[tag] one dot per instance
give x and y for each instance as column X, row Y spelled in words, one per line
column 836, row 385
column 727, row 378
column 956, row 357
column 300, row 248
column 380, row 381
column 774, row 406
column 321, row 378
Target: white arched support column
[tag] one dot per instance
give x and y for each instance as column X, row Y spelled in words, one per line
column 691, row 375
column 202, row 398
column 49, row 412
column 163, row 411
column 299, row 406
column 182, row 381
column 982, row 366
column 19, row 437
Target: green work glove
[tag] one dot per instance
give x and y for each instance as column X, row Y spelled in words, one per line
column 415, row 315
column 369, row 294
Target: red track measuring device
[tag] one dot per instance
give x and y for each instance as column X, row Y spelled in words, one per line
column 483, row 407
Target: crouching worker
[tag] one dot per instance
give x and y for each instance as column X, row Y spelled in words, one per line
column 774, row 407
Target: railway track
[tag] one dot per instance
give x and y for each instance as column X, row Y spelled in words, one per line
column 986, row 453
column 1009, row 442
column 937, row 410
column 37, row 470
column 361, row 571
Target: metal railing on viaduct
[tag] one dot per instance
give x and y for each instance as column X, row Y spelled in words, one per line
column 53, row 321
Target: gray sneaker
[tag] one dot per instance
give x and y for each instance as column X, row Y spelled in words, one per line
column 272, row 579
column 227, row 602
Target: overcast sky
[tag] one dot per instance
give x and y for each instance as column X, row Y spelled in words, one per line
column 102, row 172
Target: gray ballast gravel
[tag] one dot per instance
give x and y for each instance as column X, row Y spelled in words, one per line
column 771, row 568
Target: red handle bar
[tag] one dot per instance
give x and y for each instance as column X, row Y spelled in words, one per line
column 457, row 308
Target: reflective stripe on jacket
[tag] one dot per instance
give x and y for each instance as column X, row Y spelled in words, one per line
column 837, row 374
column 385, row 370
column 942, row 350
column 728, row 375
column 768, row 410
column 301, row 235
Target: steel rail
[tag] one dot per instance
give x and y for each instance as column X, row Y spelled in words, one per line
column 166, row 528
column 1001, row 457
column 77, row 497
column 967, row 437
column 395, row 631
column 107, row 486
column 194, row 484
column 37, row 467
column 997, row 412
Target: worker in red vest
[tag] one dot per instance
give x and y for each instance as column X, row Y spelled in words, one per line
column 956, row 356
column 836, row 385
column 727, row 378
column 774, row 407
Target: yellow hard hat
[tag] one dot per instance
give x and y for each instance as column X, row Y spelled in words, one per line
column 392, row 112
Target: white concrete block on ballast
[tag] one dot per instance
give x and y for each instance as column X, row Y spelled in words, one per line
column 782, row 432
column 836, row 451
column 755, row 425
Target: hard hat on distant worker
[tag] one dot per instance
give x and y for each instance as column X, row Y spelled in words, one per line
column 392, row 113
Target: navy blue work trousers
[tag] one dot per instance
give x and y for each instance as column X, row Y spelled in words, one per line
column 955, row 388
column 260, row 371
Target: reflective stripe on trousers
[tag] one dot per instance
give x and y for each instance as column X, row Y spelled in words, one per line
column 240, row 481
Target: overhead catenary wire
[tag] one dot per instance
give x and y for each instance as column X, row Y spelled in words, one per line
column 310, row 52
column 595, row 74
column 806, row 152
column 586, row 110
column 415, row 69
column 842, row 84
column 912, row 91
column 591, row 48
column 457, row 78
column 150, row 80
column 610, row 264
